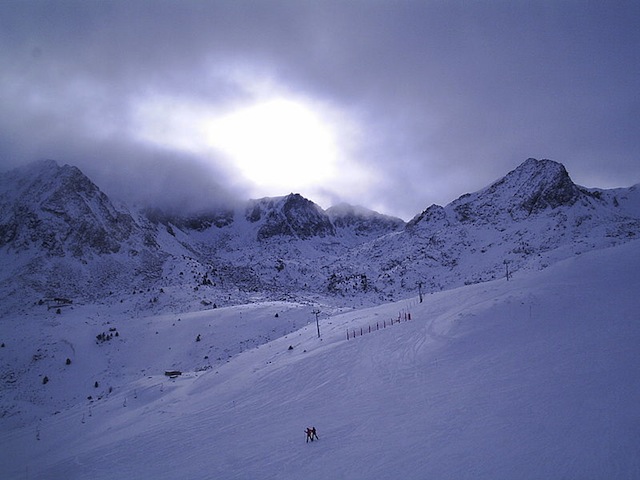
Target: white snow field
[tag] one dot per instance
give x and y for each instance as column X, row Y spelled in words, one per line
column 533, row 378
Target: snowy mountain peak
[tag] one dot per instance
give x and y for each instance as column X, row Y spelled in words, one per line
column 537, row 185
column 533, row 187
column 433, row 215
column 289, row 216
column 59, row 209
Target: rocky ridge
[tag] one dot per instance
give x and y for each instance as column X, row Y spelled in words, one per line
column 61, row 236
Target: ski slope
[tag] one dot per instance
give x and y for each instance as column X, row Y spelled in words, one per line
column 536, row 377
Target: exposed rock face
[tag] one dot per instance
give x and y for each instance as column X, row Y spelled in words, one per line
column 362, row 221
column 197, row 221
column 62, row 211
column 550, row 186
column 290, row 216
column 534, row 186
column 433, row 215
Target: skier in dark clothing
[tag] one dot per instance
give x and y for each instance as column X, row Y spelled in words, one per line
column 311, row 434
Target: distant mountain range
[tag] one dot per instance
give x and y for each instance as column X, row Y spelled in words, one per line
column 61, row 236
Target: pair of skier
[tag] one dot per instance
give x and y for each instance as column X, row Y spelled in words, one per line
column 311, row 434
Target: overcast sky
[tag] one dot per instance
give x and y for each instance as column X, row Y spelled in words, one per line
column 393, row 105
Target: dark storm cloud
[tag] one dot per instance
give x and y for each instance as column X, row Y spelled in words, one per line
column 448, row 95
column 73, row 71
column 459, row 93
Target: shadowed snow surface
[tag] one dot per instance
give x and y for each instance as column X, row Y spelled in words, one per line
column 536, row 377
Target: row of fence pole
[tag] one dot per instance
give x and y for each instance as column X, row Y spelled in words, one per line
column 354, row 332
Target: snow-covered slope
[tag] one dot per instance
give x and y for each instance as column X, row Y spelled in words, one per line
column 535, row 377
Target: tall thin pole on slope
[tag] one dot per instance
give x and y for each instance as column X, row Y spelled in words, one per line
column 316, row 312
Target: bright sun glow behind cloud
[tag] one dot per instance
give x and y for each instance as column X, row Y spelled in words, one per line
column 274, row 146
column 278, row 145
